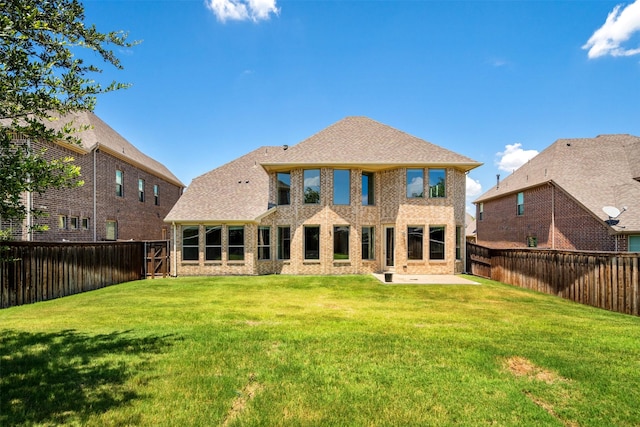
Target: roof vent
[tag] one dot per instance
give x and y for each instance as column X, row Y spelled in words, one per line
column 285, row 147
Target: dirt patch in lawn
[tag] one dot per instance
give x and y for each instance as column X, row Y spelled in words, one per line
column 521, row 367
column 244, row 396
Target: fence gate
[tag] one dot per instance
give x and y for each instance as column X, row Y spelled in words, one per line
column 156, row 258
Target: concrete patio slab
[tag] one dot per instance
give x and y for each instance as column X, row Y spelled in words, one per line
column 425, row 279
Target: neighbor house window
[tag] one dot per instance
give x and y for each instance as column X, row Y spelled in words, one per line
column 62, row 222
column 312, row 186
column 213, row 243
column 190, row 243
column 141, row 190
column 415, row 183
column 312, row 242
column 264, row 243
column 284, row 243
column 85, row 223
column 436, row 242
column 634, row 243
column 236, row 243
column 119, row 184
column 156, row 195
column 459, row 237
column 341, row 242
column 341, row 187
column 520, row 204
column 368, row 243
column 437, row 182
column 368, row 194
column 284, row 188
column 480, row 211
column 74, row 223
column 415, row 239
column 112, row 230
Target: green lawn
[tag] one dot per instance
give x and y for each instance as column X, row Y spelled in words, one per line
column 286, row 350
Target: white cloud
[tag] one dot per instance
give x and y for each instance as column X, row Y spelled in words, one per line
column 620, row 25
column 474, row 188
column 416, row 186
column 513, row 157
column 242, row 10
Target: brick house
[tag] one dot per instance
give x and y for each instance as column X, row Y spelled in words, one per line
column 125, row 195
column 556, row 200
column 357, row 197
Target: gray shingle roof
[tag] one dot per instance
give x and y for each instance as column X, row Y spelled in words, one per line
column 597, row 172
column 364, row 142
column 236, row 191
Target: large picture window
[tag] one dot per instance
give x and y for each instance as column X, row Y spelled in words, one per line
column 368, row 243
column 436, row 242
column 415, row 239
column 341, row 242
column 415, row 183
column 311, row 186
column 341, row 187
column 368, row 194
column 284, row 243
column 213, row 243
column 312, row 242
column 437, row 182
column 264, row 243
column 284, row 188
column 236, row 243
column 190, row 243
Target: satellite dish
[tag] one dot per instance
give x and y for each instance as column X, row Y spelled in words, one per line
column 612, row 211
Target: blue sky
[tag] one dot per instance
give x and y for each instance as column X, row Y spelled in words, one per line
column 497, row 81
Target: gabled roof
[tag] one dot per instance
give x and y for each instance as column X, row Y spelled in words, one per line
column 236, row 191
column 362, row 142
column 102, row 136
column 597, row 172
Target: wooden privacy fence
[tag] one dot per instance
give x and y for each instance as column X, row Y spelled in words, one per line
column 608, row 280
column 38, row 271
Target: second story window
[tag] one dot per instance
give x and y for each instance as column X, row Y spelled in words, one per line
column 368, row 198
column 156, row 195
column 520, row 204
column 341, row 187
column 480, row 211
column 415, row 183
column 284, row 188
column 141, row 190
column 437, row 182
column 311, row 186
column 119, row 184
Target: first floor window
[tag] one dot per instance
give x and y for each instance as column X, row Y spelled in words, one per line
column 436, row 242
column 459, row 238
column 190, row 243
column 415, row 238
column 112, row 230
column 634, row 243
column 368, row 243
column 284, row 242
column 236, row 243
column 85, row 223
column 341, row 242
column 264, row 243
column 520, row 204
column 437, row 182
column 312, row 242
column 415, row 183
column 213, row 243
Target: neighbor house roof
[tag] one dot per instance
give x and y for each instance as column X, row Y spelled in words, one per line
column 362, row 142
column 102, row 136
column 236, row 191
column 597, row 172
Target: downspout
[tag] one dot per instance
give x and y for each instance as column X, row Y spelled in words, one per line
column 175, row 248
column 95, row 209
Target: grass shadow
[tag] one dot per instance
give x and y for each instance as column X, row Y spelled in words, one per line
column 66, row 377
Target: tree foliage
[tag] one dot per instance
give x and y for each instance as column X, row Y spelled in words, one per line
column 43, row 75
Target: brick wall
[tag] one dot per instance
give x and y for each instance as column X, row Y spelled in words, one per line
column 391, row 208
column 575, row 227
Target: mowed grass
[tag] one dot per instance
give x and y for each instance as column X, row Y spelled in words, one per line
column 286, row 350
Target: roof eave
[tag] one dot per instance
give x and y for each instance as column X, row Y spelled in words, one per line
column 285, row 166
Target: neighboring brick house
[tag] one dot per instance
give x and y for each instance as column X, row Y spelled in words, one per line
column 125, row 195
column 556, row 200
column 357, row 197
